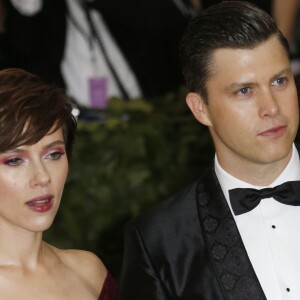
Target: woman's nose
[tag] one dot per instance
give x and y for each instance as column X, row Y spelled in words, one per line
column 40, row 175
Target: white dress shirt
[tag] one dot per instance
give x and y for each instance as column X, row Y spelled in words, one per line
column 271, row 234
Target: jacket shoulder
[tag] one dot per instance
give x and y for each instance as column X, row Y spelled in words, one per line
column 165, row 213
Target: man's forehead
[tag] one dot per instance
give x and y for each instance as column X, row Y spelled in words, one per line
column 230, row 56
column 272, row 41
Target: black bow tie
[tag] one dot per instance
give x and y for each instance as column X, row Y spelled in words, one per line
column 244, row 200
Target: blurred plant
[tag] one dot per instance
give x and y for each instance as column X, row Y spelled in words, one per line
column 133, row 155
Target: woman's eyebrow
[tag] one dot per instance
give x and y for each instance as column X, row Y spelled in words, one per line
column 55, row 143
column 21, row 150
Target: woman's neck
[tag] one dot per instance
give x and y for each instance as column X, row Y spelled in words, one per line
column 20, row 247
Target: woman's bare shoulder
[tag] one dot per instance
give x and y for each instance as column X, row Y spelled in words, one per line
column 86, row 264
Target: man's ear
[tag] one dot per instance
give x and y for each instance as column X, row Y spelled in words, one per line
column 199, row 108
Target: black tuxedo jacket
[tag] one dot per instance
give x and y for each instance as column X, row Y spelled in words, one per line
column 188, row 247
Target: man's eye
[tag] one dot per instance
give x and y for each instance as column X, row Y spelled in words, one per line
column 244, row 91
column 280, row 81
column 13, row 161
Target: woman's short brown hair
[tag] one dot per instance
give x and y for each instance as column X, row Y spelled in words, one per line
column 29, row 109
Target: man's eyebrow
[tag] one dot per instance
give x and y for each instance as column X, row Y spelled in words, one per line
column 286, row 71
column 238, row 85
column 241, row 84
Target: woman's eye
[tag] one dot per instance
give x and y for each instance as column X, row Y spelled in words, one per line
column 14, row 161
column 55, row 155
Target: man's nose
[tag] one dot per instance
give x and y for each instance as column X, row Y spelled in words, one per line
column 268, row 104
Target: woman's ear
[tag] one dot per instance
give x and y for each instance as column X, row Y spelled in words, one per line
column 199, row 108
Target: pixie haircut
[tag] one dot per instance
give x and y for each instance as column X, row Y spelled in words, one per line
column 31, row 109
column 229, row 24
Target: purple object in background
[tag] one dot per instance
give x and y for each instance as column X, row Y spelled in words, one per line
column 98, row 92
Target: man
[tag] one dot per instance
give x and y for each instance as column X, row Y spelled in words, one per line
column 203, row 243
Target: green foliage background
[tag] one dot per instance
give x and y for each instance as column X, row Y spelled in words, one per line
column 129, row 157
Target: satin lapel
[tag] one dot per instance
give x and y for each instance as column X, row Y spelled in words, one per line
column 231, row 263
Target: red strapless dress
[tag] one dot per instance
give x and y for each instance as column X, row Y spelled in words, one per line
column 109, row 289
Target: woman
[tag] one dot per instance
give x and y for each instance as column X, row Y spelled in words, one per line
column 36, row 136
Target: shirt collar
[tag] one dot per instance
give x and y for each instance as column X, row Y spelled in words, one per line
column 228, row 182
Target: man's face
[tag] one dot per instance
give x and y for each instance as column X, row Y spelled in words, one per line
column 252, row 110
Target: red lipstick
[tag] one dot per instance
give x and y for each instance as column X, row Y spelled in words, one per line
column 40, row 204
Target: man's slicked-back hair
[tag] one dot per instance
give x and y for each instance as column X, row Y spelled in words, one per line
column 29, row 109
column 229, row 24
